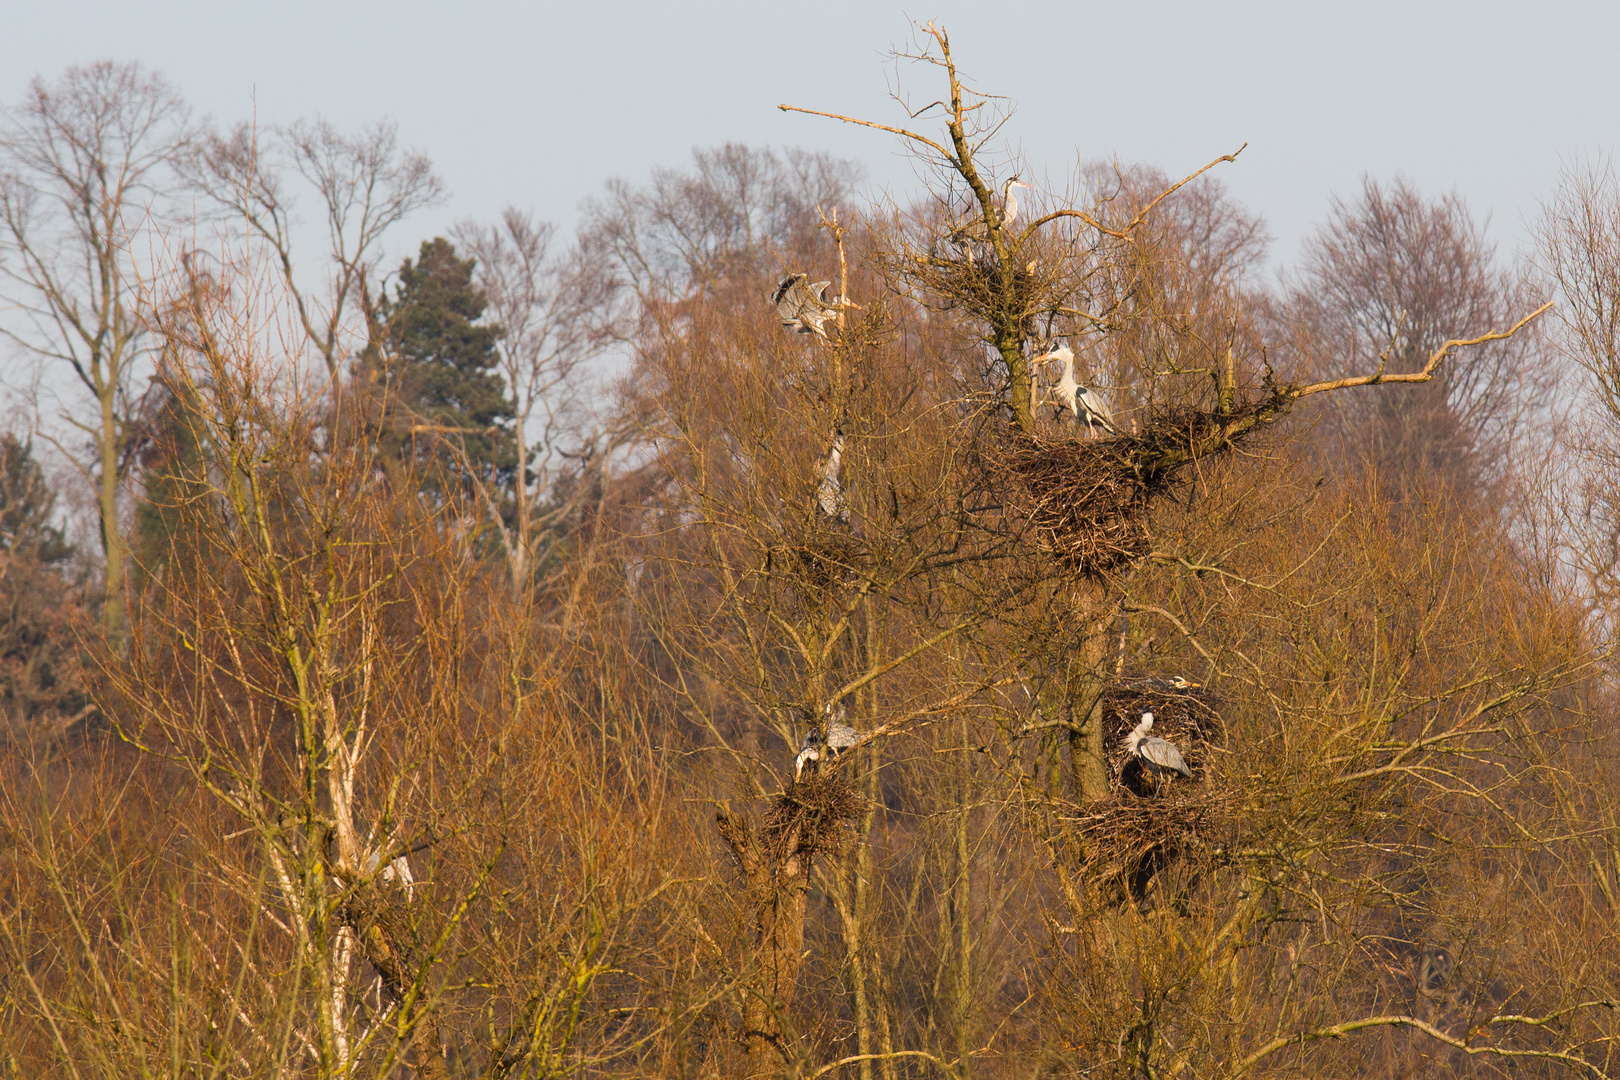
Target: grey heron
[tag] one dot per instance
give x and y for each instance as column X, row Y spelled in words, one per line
column 803, row 306
column 1166, row 685
column 974, row 229
column 830, row 493
column 1158, row 757
column 1085, row 403
column 840, row 737
column 398, row 871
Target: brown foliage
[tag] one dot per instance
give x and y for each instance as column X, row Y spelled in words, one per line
column 42, row 679
column 1396, row 853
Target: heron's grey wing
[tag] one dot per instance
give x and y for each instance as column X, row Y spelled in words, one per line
column 785, row 286
column 794, row 305
column 842, row 736
column 816, row 309
column 1164, row 755
column 1094, row 404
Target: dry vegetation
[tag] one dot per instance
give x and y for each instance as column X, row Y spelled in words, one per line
column 403, row 750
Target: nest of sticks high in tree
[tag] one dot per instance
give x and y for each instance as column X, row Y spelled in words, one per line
column 975, row 285
column 1131, row 841
column 812, row 815
column 825, row 554
column 1087, row 499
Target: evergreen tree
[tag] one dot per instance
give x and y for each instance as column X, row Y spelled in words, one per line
column 174, row 488
column 445, row 400
column 27, row 504
column 41, row 678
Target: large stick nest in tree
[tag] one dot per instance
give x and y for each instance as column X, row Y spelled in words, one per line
column 1087, row 499
column 1130, row 841
column 812, row 816
column 973, row 284
column 1142, row 828
column 827, row 553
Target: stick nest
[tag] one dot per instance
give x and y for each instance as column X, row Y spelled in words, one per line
column 1087, row 499
column 827, row 553
column 1131, row 841
column 1141, row 829
column 812, row 815
column 974, row 284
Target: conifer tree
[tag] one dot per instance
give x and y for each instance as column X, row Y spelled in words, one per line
column 41, row 684
column 27, row 505
column 444, row 399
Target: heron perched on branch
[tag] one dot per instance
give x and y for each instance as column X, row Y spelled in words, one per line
column 975, row 231
column 830, row 493
column 1085, row 403
column 1158, row 757
column 840, row 737
column 803, row 306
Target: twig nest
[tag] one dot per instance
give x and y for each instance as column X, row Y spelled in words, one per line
column 1129, row 841
column 1143, row 828
column 970, row 279
column 826, row 554
column 1083, row 500
column 1087, row 499
column 812, row 815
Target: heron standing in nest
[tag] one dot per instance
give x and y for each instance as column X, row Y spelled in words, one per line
column 975, row 231
column 1085, row 403
column 1159, row 757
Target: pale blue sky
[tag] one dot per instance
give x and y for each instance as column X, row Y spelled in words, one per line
column 539, row 103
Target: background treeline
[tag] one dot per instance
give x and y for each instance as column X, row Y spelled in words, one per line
column 403, row 660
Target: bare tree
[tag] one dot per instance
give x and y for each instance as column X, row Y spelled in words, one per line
column 365, row 183
column 1385, row 281
column 724, row 218
column 1579, row 247
column 358, row 734
column 82, row 165
column 551, row 307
